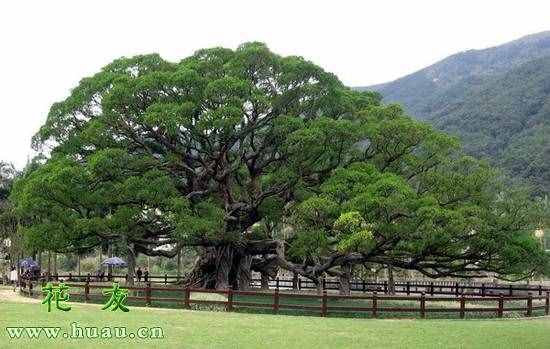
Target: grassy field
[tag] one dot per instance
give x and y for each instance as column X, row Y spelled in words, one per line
column 202, row 329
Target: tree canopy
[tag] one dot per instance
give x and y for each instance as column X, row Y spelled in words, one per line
column 226, row 149
column 8, row 218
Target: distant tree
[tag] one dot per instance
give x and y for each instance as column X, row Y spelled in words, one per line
column 8, row 218
column 7, row 175
column 75, row 207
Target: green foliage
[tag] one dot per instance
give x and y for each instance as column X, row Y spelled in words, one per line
column 495, row 100
column 242, row 147
column 415, row 202
column 195, row 152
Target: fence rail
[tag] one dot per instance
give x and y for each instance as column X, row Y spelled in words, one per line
column 410, row 287
column 321, row 303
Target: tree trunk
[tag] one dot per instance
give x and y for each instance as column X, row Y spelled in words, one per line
column 244, row 274
column 131, row 264
column 19, row 269
column 391, row 281
column 264, row 280
column 224, row 262
column 345, row 279
column 295, row 281
column 213, row 268
column 178, row 264
column 319, row 283
column 110, row 254
column 225, row 266
column 49, row 263
column 203, row 273
column 55, row 263
column 99, row 259
column 78, row 262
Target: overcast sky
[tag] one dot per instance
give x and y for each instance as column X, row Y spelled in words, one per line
column 48, row 46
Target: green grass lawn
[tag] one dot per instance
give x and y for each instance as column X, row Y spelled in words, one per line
column 202, row 329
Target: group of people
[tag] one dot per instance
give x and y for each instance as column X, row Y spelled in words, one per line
column 140, row 273
column 35, row 274
column 29, row 273
column 101, row 275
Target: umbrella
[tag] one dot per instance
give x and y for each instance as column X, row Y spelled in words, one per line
column 114, row 262
column 28, row 263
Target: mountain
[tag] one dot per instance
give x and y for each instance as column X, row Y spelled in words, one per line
column 415, row 90
column 497, row 100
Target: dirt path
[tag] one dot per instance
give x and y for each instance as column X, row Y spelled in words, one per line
column 7, row 295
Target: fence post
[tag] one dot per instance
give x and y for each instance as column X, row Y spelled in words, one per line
column 540, row 290
column 529, row 304
column 374, row 305
column 422, row 305
column 230, row 300
column 276, row 301
column 30, row 288
column 500, row 305
column 324, row 304
column 87, row 291
column 483, row 290
column 431, row 288
column 408, row 288
column 148, row 294
column 277, row 283
column 510, row 291
column 165, row 279
column 324, row 283
column 385, row 287
column 364, row 286
column 547, row 304
column 186, row 297
column 299, row 283
column 456, row 289
column 462, row 306
column 87, row 278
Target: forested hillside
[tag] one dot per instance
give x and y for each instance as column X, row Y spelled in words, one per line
column 496, row 100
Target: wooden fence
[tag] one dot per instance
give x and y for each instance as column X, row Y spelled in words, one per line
column 410, row 287
column 373, row 303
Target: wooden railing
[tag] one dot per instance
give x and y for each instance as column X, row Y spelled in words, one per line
column 410, row 287
column 320, row 303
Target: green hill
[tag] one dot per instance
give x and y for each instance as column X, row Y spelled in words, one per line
column 496, row 100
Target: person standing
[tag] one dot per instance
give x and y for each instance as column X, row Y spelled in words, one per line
column 146, row 275
column 138, row 273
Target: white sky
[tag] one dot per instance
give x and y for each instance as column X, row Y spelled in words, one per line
column 48, row 46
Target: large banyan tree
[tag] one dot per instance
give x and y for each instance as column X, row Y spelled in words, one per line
column 263, row 161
